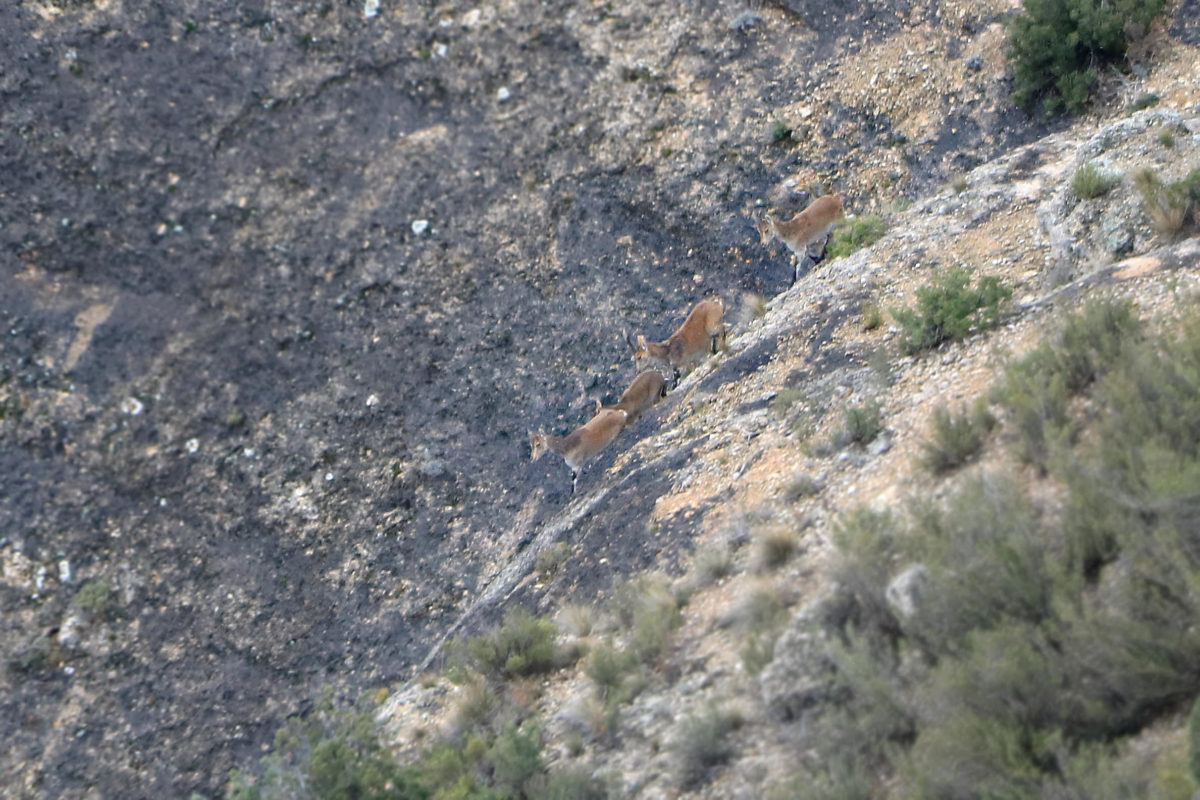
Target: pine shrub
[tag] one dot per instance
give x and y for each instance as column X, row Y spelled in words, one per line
column 1056, row 47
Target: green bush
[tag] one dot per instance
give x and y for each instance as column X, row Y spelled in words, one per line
column 476, row 703
column 840, row 777
column 949, row 308
column 757, row 651
column 987, row 560
column 761, row 608
column 608, row 666
column 654, row 620
column 1090, row 182
column 872, row 317
column 330, row 754
column 851, row 234
column 93, row 596
column 516, row 757
column 567, row 783
column 1047, row 636
column 522, row 645
column 956, row 439
column 1034, row 392
column 866, row 550
column 1057, row 45
column 862, row 425
column 1035, row 389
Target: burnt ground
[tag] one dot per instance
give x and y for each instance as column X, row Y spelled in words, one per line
column 295, row 437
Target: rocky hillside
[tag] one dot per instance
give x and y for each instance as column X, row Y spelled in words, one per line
column 750, row 458
column 285, row 288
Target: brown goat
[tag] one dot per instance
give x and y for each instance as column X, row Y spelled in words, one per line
column 695, row 338
column 582, row 444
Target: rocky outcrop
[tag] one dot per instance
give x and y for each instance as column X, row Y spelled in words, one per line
column 1086, row 234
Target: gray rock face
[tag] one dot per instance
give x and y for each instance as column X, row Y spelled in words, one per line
column 1088, row 234
column 800, row 676
column 904, row 592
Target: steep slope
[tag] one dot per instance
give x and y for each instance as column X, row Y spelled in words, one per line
column 745, row 456
column 286, row 287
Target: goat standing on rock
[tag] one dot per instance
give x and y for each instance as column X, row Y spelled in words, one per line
column 810, row 226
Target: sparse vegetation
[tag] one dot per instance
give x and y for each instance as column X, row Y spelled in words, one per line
column 1035, row 388
column 956, row 439
column 800, row 487
column 551, row 559
column 93, row 597
column 1091, row 182
column 872, row 317
column 1170, row 205
column 567, row 783
column 475, row 704
column 1056, row 47
column 761, row 608
column 851, row 234
column 523, row 645
column 1144, row 101
column 949, row 308
column 608, row 666
column 1166, row 137
column 784, row 399
column 757, row 651
column 776, row 545
column 710, row 564
column 577, row 619
column 1167, row 204
column 780, row 132
column 1040, row 641
column 753, row 307
column 329, row 754
column 646, row 605
column 880, row 363
column 862, row 424
column 703, row 743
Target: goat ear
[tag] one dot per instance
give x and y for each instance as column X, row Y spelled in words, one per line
column 630, row 341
